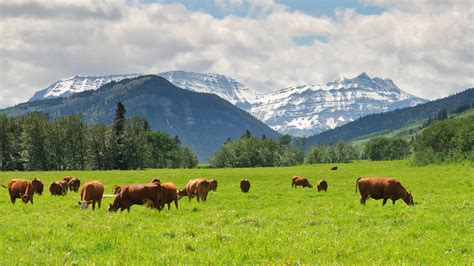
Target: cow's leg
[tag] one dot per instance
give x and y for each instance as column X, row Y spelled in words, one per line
column 13, row 199
column 93, row 205
column 393, row 201
column 363, row 199
column 384, row 201
column 31, row 200
column 176, row 203
column 98, row 203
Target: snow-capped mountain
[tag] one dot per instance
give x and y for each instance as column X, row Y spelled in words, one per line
column 223, row 86
column 69, row 86
column 299, row 111
column 311, row 109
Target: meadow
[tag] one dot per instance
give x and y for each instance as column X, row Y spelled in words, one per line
column 273, row 223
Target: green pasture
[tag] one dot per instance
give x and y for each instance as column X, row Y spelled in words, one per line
column 272, row 224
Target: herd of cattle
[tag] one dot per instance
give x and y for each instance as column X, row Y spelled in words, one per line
column 156, row 194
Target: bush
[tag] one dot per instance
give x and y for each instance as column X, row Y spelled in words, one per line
column 341, row 152
column 382, row 148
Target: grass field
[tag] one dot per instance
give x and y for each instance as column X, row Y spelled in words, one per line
column 273, row 223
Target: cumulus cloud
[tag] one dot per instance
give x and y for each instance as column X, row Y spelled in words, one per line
column 426, row 47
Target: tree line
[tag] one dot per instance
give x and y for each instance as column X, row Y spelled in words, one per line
column 35, row 142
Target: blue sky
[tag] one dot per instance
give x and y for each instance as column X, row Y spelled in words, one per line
column 311, row 7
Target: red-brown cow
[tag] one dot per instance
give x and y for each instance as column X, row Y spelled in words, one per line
column 202, row 190
column 169, row 194
column 38, row 186
column 300, row 181
column 322, row 185
column 213, row 184
column 56, row 189
column 74, row 184
column 334, row 168
column 137, row 195
column 20, row 189
column 382, row 188
column 244, row 185
column 91, row 192
column 190, row 189
column 64, row 186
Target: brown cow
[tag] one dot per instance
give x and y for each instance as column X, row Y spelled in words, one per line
column 169, row 194
column 213, row 184
column 91, row 192
column 156, row 180
column 202, row 189
column 190, row 189
column 64, row 185
column 334, row 168
column 382, row 188
column 74, row 184
column 300, row 181
column 322, row 185
column 116, row 189
column 38, row 186
column 21, row 189
column 137, row 195
column 67, row 178
column 56, row 189
column 244, row 185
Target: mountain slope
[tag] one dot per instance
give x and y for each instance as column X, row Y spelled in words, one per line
column 203, row 121
column 392, row 120
column 311, row 109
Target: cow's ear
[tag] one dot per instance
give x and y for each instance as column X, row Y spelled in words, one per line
column 22, row 195
column 79, row 202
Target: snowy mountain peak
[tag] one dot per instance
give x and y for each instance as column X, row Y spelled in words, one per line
column 311, row 109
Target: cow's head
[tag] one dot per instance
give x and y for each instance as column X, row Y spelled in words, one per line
column 308, row 184
column 84, row 204
column 156, row 181
column 26, row 198
column 37, row 186
column 408, row 199
column 182, row 193
column 113, row 207
column 213, row 184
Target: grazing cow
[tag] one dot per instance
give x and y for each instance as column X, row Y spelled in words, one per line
column 20, row 189
column 74, row 184
column 322, row 185
column 300, row 181
column 156, row 180
column 64, row 186
column 116, row 189
column 334, row 168
column 213, row 184
column 202, row 189
column 38, row 186
column 91, row 192
column 382, row 188
column 56, row 189
column 67, row 178
column 244, row 185
column 137, row 195
column 190, row 189
column 169, row 194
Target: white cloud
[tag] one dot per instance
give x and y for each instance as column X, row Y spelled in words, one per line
column 426, row 47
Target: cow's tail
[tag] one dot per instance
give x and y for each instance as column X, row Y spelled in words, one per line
column 357, row 182
column 4, row 186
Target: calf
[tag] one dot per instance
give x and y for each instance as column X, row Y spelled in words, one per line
column 169, row 194
column 56, row 189
column 202, row 189
column 244, row 185
column 137, row 195
column 74, row 184
column 213, row 184
column 322, row 185
column 91, row 192
column 21, row 189
column 382, row 188
column 300, row 181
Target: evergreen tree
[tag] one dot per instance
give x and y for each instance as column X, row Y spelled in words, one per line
column 118, row 138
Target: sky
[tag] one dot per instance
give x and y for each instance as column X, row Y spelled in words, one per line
column 425, row 47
